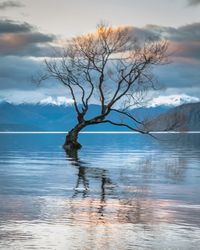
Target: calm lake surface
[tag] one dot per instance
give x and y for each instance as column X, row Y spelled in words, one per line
column 122, row 191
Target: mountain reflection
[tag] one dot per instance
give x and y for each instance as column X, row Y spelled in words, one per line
column 173, row 168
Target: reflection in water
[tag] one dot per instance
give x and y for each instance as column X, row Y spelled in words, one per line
column 174, row 168
column 86, row 173
column 81, row 176
column 139, row 194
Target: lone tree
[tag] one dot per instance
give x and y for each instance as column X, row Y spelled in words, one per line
column 107, row 66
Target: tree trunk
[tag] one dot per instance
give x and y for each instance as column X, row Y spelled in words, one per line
column 71, row 141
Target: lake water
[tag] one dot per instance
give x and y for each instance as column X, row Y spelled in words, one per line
column 122, row 191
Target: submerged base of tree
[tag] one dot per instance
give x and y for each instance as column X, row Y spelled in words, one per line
column 71, row 141
column 72, row 145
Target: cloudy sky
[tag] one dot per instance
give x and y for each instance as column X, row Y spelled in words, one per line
column 29, row 29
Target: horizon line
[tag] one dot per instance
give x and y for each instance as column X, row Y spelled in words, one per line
column 99, row 132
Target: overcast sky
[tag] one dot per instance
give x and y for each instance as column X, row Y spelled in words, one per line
column 28, row 29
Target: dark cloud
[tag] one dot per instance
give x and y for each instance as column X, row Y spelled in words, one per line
column 22, row 39
column 184, row 41
column 142, row 34
column 10, row 4
column 9, row 26
column 190, row 32
column 193, row 2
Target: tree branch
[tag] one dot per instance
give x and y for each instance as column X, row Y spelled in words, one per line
column 127, row 114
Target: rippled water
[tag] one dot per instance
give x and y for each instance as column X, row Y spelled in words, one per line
column 120, row 192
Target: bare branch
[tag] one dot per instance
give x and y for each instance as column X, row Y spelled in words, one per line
column 125, row 113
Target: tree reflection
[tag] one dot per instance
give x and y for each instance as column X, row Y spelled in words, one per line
column 86, row 174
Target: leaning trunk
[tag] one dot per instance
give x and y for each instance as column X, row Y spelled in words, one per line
column 71, row 141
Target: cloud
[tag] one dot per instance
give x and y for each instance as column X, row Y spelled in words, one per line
column 15, row 72
column 9, row 26
column 186, row 32
column 179, row 76
column 193, row 2
column 184, row 41
column 10, row 4
column 26, row 44
column 22, row 39
column 185, row 50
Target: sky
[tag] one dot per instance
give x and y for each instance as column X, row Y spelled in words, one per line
column 29, row 29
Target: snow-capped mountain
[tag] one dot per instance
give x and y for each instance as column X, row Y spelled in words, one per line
column 59, row 115
column 162, row 100
column 172, row 100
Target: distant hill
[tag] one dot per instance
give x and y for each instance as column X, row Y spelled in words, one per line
column 185, row 117
column 29, row 117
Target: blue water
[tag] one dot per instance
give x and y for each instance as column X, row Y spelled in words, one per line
column 121, row 191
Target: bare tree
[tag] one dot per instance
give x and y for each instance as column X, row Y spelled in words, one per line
column 108, row 66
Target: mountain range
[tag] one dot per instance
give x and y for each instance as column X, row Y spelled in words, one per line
column 48, row 117
column 185, row 117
